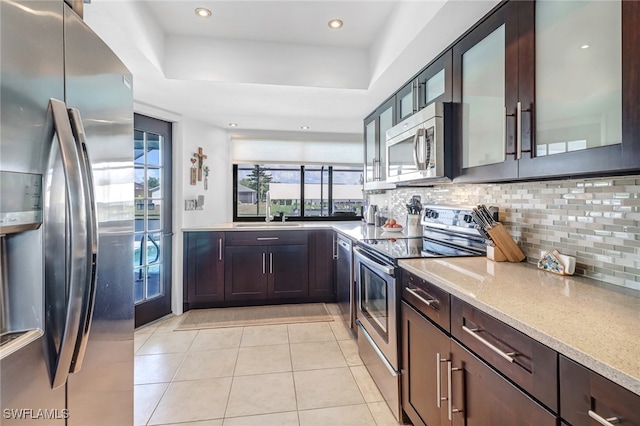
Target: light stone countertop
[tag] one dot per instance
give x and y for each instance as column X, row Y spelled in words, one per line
column 593, row 323
column 355, row 229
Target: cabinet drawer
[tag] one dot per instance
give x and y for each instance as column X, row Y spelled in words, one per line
column 585, row 394
column 265, row 238
column 430, row 300
column 528, row 363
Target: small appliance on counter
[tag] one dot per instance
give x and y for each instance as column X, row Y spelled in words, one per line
column 370, row 217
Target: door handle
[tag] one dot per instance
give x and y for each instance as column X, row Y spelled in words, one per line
column 220, row 249
column 92, row 238
column 450, row 409
column 63, row 358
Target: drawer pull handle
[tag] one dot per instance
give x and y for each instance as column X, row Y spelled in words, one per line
column 266, row 238
column 604, row 422
column 509, row 356
column 432, row 303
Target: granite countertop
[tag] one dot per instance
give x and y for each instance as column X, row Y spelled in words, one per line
column 593, row 323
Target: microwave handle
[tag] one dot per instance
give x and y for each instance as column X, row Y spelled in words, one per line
column 416, row 139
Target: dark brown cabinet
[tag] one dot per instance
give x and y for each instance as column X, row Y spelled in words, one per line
column 588, row 399
column 322, row 255
column 444, row 383
column 266, row 266
column 432, row 84
column 528, row 363
column 480, row 396
column 527, row 114
column 203, row 269
column 425, row 350
column 375, row 148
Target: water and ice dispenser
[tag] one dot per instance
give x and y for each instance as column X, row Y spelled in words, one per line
column 21, row 212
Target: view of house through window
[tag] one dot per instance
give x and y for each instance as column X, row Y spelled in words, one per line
column 297, row 191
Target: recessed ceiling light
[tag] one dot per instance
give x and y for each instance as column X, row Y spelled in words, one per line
column 233, row 124
column 335, row 24
column 584, row 46
column 304, row 127
column 203, row 12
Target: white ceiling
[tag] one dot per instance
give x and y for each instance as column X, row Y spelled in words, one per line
column 274, row 66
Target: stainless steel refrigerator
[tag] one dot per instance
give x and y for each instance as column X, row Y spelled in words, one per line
column 66, row 220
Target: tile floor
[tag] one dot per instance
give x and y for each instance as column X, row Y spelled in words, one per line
column 292, row 374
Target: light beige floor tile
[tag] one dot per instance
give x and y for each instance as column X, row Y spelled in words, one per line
column 264, row 335
column 278, row 419
column 316, row 355
column 193, row 401
column 139, row 339
column 333, row 308
column 341, row 331
column 146, row 329
column 214, row 422
column 217, row 338
column 382, row 414
column 310, row 332
column 326, row 388
column 261, row 394
column 169, row 324
column 351, row 415
column 146, row 398
column 164, row 343
column 207, row 364
column 263, row 360
column 349, row 349
column 366, row 384
column 155, row 368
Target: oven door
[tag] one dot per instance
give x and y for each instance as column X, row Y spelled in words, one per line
column 376, row 303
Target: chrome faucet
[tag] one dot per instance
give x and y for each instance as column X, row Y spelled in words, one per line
column 268, row 215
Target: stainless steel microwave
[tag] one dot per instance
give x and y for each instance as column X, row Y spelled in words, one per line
column 415, row 147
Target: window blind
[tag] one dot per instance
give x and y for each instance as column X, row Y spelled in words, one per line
column 271, row 151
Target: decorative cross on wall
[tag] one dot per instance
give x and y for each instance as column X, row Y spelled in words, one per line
column 200, row 157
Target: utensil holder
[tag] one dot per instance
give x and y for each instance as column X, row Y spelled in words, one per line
column 414, row 228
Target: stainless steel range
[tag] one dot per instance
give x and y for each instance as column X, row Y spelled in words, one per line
column 448, row 231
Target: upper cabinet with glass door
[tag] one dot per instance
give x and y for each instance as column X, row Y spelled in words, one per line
column 375, row 152
column 549, row 88
column 431, row 85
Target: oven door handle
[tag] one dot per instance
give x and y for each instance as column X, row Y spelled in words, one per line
column 360, row 254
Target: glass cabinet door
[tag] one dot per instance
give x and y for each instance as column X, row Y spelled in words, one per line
column 386, row 122
column 589, row 76
column 483, row 101
column 370, row 152
column 485, row 73
column 581, row 97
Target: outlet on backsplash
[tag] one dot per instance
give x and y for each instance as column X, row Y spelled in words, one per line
column 596, row 220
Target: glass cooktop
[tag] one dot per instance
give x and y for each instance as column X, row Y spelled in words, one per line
column 432, row 244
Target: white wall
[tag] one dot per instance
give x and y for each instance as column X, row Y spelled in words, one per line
column 188, row 136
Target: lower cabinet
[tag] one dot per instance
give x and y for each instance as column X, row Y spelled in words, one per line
column 322, row 255
column 445, row 384
column 272, row 267
column 480, row 396
column 203, row 269
column 588, row 399
column 425, row 350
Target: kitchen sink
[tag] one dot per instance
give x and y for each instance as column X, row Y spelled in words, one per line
column 267, row 225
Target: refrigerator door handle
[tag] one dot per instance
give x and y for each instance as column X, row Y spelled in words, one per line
column 92, row 240
column 78, row 239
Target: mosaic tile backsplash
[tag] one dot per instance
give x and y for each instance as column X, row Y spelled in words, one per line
column 595, row 220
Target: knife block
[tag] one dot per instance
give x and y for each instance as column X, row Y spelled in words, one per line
column 495, row 254
column 505, row 243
